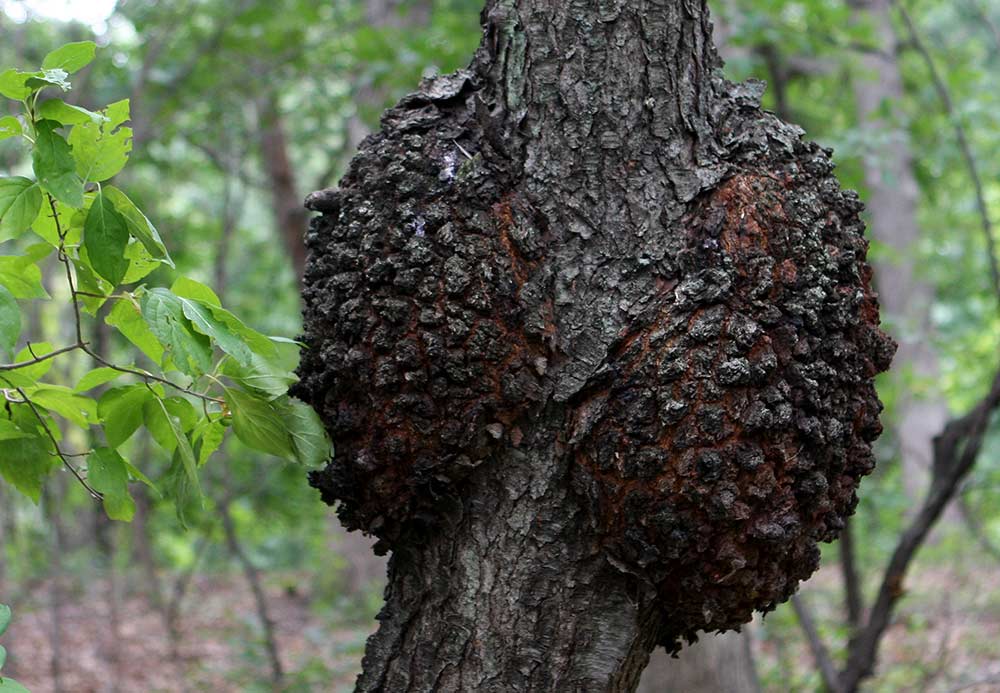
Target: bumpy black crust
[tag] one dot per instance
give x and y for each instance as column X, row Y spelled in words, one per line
column 420, row 356
column 736, row 417
column 725, row 433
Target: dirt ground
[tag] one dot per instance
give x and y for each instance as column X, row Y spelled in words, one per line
column 946, row 638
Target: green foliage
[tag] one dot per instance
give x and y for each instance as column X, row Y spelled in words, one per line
column 208, row 370
column 7, row 685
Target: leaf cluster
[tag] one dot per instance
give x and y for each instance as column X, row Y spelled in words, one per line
column 201, row 369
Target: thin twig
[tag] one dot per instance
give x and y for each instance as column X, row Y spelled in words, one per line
column 55, row 444
column 39, row 359
column 975, row 526
column 64, row 259
column 113, row 297
column 963, row 142
column 824, row 662
column 149, row 376
column 984, row 16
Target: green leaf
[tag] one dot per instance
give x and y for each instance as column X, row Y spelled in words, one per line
column 45, row 226
column 9, row 685
column 25, row 463
column 163, row 417
column 10, row 321
column 183, row 449
column 12, row 84
column 259, row 424
column 140, row 263
column 10, row 431
column 121, row 411
column 88, row 281
column 209, row 436
column 189, row 288
column 10, row 127
column 127, row 319
column 70, row 57
column 96, row 378
column 257, row 342
column 261, row 375
column 68, row 114
column 108, row 474
column 20, row 200
column 190, row 351
column 101, row 150
column 75, row 408
column 52, row 77
column 105, row 237
column 187, row 496
column 138, row 225
column 10, row 379
column 21, row 276
column 3, row 656
column 54, row 167
column 5, row 617
column 202, row 316
column 139, row 476
column 310, row 442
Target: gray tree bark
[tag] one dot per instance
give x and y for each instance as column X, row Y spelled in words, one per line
column 595, row 341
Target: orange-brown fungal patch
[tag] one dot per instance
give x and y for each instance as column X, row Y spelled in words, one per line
column 723, row 451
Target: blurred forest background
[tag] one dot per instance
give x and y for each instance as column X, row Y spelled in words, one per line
column 241, row 107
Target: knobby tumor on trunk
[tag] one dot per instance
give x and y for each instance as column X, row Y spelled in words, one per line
column 595, row 338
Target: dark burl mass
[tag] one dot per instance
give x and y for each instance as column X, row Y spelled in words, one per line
column 721, row 438
column 737, row 416
column 420, row 359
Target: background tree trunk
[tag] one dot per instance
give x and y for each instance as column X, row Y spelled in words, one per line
column 506, row 303
column 921, row 412
column 715, row 664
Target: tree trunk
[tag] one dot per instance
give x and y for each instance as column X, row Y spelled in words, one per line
column 289, row 217
column 715, row 664
column 905, row 297
column 595, row 341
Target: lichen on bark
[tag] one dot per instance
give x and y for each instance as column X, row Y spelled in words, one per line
column 586, row 294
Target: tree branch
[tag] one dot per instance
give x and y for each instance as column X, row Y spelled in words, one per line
column 955, row 453
column 852, row 583
column 40, row 359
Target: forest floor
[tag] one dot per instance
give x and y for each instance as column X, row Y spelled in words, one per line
column 946, row 637
column 221, row 645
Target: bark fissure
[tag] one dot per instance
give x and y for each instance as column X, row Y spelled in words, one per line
column 594, row 337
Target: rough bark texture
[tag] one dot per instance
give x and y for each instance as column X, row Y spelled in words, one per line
column 595, row 339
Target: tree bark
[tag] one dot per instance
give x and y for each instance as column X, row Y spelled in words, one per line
column 716, row 662
column 595, row 340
